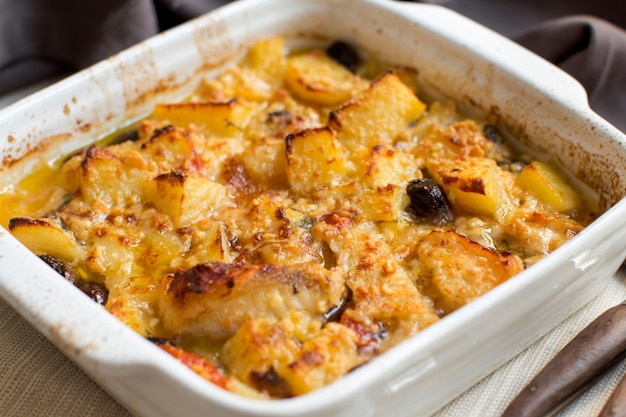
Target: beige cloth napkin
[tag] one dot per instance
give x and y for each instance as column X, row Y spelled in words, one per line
column 36, row 379
column 492, row 395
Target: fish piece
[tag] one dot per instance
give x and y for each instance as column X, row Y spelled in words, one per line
column 214, row 299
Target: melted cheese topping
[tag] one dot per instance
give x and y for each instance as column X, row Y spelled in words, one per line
column 263, row 225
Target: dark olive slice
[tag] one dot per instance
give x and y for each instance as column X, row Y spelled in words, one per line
column 491, row 133
column 96, row 291
column 428, row 200
column 335, row 312
column 345, row 54
column 125, row 136
column 65, row 270
column 160, row 341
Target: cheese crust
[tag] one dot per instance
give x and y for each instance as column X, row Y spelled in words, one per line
column 262, row 226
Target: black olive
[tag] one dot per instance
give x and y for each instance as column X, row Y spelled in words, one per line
column 278, row 114
column 67, row 199
column 96, row 291
column 129, row 135
column 335, row 312
column 271, row 383
column 428, row 200
column 161, row 341
column 491, row 133
column 345, row 54
column 65, row 270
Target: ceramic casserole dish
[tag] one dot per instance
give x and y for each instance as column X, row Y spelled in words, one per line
column 544, row 108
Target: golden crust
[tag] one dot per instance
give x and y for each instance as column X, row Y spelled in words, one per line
column 262, row 224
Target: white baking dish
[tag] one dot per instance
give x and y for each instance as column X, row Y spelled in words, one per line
column 457, row 58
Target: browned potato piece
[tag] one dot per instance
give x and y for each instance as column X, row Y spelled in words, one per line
column 377, row 115
column 110, row 178
column 383, row 203
column 267, row 355
column 314, row 160
column 336, row 351
column 454, row 270
column 316, row 78
column 380, row 166
column 471, row 184
column 267, row 58
column 46, row 237
column 169, row 148
column 550, row 186
column 185, row 198
column 224, row 119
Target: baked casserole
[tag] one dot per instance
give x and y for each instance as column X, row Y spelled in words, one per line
column 298, row 215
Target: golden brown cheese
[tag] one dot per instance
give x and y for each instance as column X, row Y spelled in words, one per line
column 214, row 299
column 292, row 219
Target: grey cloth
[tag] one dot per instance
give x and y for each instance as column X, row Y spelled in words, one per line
column 40, row 38
column 594, row 52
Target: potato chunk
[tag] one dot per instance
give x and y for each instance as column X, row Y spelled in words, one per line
column 267, row 355
column 267, row 58
column 110, row 178
column 381, row 166
column 257, row 352
column 110, row 252
column 169, row 148
column 314, row 160
column 267, row 164
column 46, row 237
column 455, row 270
column 186, row 199
column 377, row 115
column 471, row 184
column 383, row 203
column 549, row 186
column 316, row 78
column 223, row 119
